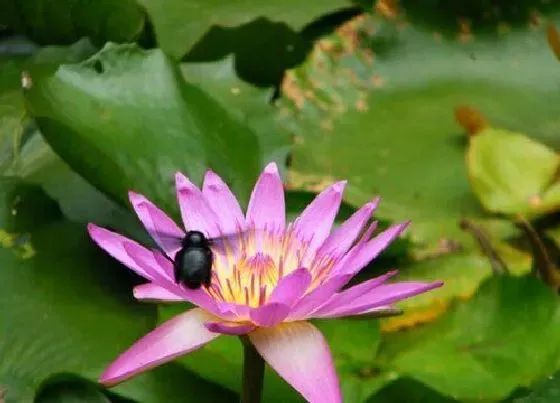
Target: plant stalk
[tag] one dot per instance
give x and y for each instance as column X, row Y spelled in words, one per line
column 253, row 373
column 498, row 265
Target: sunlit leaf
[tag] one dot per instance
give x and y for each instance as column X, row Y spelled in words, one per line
column 125, row 133
column 511, row 173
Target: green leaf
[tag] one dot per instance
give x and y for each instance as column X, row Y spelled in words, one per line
column 408, row 390
column 461, row 272
column 65, row 307
column 547, row 391
column 122, row 134
column 29, row 157
column 247, row 104
column 374, row 104
column 65, row 21
column 179, row 24
column 354, row 343
column 12, row 112
column 70, row 391
column 506, row 336
column 511, row 173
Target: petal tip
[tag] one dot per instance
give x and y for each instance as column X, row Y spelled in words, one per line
column 135, row 198
column 339, row 186
column 181, row 180
column 271, row 168
column 93, row 230
column 211, row 178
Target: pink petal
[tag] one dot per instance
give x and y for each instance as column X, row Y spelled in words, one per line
column 223, row 202
column 160, row 271
column 266, row 206
column 156, row 293
column 291, row 287
column 315, row 222
column 340, row 240
column 299, row 353
column 353, row 293
column 333, row 283
column 113, row 243
column 269, row 314
column 176, row 337
column 372, row 249
column 229, row 328
column 317, row 297
column 161, row 228
column 195, row 209
column 383, row 295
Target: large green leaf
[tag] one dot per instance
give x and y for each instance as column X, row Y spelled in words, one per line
column 65, row 307
column 248, row 104
column 134, row 121
column 374, row 104
column 65, row 21
column 181, row 24
column 506, row 336
column 26, row 155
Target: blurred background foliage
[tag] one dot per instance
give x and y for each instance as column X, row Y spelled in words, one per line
column 449, row 110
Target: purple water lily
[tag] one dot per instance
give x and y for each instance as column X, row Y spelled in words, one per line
column 266, row 286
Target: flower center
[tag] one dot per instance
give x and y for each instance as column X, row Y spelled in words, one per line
column 246, row 273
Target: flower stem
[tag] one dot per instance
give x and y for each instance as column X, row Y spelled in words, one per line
column 253, row 373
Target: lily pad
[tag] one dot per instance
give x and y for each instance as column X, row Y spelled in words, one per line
column 484, row 348
column 179, row 24
column 123, row 134
column 250, row 105
column 374, row 103
column 511, row 173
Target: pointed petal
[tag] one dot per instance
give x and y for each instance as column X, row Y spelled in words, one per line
column 372, row 249
column 176, row 337
column 299, row 353
column 317, row 297
column 223, row 202
column 340, row 240
column 113, row 244
column 229, row 328
column 351, row 294
column 383, row 295
column 315, row 222
column 266, row 206
column 160, row 227
column 291, row 287
column 145, row 259
column 334, row 282
column 155, row 293
column 269, row 314
column 195, row 209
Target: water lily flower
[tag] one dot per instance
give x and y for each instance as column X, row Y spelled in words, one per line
column 267, row 287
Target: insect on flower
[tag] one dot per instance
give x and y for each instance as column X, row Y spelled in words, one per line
column 264, row 282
